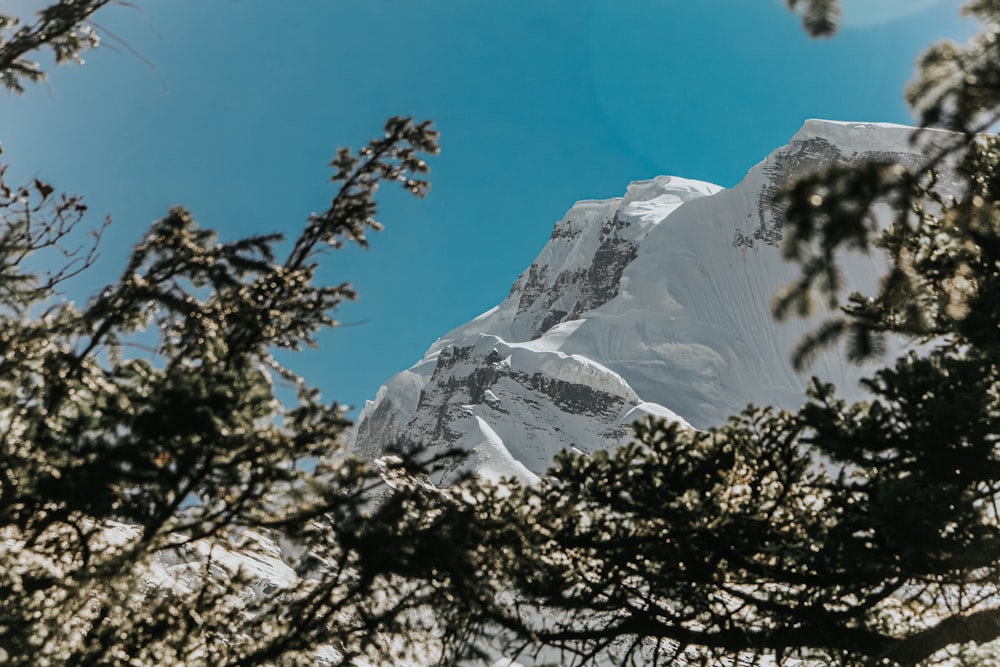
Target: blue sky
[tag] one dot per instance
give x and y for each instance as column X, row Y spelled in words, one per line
column 234, row 108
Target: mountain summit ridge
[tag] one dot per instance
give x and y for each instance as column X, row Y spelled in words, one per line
column 657, row 302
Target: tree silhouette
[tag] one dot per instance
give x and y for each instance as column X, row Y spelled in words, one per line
column 847, row 534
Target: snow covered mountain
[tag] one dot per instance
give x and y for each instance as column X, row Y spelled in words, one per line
column 654, row 303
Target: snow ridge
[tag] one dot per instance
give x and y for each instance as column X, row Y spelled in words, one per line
column 657, row 302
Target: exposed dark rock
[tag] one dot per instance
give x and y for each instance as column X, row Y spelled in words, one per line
column 592, row 286
column 797, row 159
column 574, row 398
column 454, row 390
column 377, row 431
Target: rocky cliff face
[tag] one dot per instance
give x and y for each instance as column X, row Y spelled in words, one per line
column 654, row 303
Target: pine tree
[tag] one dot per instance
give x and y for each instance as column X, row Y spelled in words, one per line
column 820, row 18
column 153, row 447
column 842, row 534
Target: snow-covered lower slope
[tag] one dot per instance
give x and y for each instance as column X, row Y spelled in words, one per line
column 658, row 302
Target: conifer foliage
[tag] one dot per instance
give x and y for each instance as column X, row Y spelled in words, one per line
column 820, row 18
column 145, row 440
column 846, row 534
column 153, row 448
column 63, row 29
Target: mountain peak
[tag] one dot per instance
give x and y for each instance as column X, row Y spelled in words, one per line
column 657, row 302
column 845, row 133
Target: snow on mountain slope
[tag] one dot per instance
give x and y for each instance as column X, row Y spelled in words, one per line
column 654, row 303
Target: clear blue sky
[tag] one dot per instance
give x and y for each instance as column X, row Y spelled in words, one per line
column 539, row 102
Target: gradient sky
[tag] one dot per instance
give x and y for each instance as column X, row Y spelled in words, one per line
column 233, row 109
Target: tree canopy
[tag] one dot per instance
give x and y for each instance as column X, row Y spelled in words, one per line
column 153, row 430
column 848, row 534
column 170, row 492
